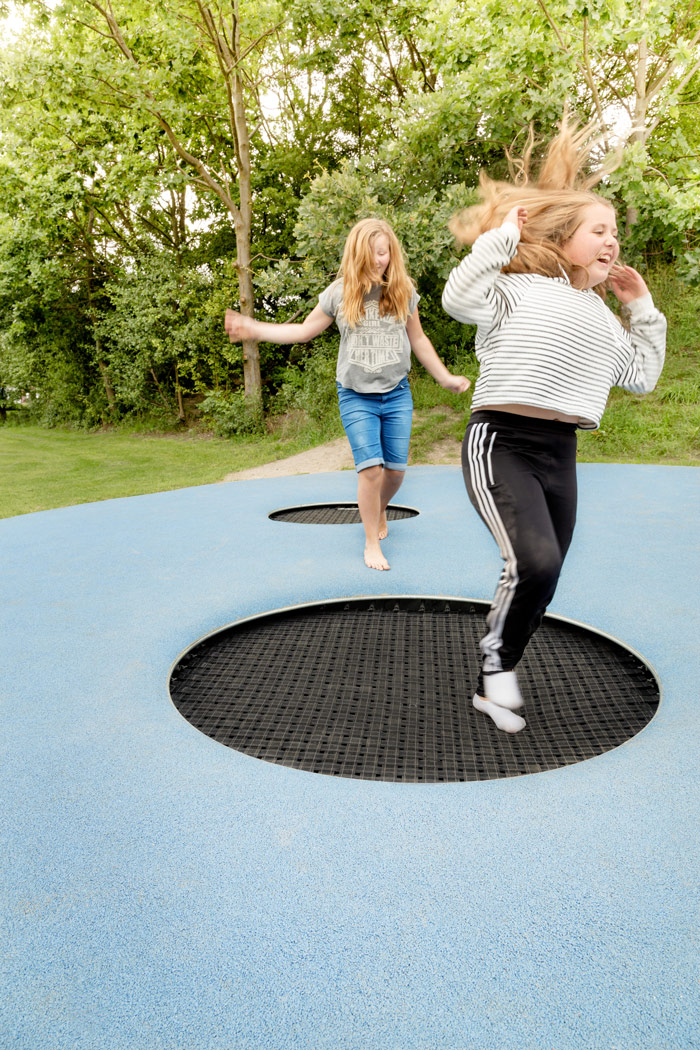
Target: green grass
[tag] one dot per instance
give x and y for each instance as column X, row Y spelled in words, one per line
column 42, row 469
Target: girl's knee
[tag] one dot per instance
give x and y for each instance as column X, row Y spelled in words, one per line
column 371, row 475
column 542, row 572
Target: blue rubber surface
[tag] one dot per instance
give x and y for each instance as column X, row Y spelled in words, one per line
column 163, row 891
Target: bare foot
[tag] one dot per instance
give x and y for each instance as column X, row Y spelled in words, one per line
column 374, row 559
column 383, row 526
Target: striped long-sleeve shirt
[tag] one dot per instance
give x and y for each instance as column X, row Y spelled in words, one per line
column 544, row 343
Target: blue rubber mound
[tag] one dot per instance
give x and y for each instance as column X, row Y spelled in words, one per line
column 162, row 891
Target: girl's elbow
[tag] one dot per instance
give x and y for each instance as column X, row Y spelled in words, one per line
column 643, row 386
column 308, row 332
column 448, row 306
column 452, row 310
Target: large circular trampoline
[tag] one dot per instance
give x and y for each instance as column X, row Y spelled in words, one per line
column 379, row 688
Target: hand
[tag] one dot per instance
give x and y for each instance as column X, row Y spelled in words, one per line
column 518, row 216
column 627, row 284
column 238, row 327
column 457, row 384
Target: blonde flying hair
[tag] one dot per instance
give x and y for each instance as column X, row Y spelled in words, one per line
column 555, row 201
column 357, row 272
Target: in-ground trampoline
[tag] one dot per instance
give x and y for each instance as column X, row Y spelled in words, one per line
column 163, row 888
column 345, row 513
column 378, row 688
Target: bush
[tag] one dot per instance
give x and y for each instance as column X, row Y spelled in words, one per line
column 231, row 414
column 311, row 387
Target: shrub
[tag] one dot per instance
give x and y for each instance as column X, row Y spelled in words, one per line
column 231, row 414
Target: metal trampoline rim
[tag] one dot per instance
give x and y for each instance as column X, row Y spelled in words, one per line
column 387, row 596
column 340, row 504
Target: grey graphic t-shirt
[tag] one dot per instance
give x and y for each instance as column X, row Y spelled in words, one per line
column 375, row 355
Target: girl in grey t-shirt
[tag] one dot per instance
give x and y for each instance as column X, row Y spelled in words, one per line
column 375, row 306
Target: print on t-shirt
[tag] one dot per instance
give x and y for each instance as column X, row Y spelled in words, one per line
column 375, row 342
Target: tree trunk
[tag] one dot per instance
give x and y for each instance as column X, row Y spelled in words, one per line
column 159, row 389
column 101, row 364
column 639, row 112
column 109, row 389
column 178, row 394
column 243, row 217
column 251, row 354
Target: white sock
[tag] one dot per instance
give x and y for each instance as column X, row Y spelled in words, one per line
column 504, row 719
column 502, row 689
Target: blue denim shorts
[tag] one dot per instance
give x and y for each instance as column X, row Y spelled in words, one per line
column 378, row 426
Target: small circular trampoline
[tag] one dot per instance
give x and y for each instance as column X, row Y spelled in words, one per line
column 334, row 514
column 380, row 688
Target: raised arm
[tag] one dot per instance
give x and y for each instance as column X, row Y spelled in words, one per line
column 647, row 334
column 239, row 327
column 469, row 294
column 427, row 355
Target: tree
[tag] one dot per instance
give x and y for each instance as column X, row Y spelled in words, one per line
column 633, row 66
column 635, row 61
column 184, row 65
column 159, row 154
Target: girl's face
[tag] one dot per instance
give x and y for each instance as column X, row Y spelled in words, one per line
column 381, row 255
column 594, row 244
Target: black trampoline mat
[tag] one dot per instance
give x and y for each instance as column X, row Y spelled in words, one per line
column 380, row 689
column 334, row 514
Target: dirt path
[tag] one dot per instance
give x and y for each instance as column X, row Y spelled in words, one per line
column 335, row 455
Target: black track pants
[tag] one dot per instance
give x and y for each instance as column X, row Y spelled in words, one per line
column 520, row 474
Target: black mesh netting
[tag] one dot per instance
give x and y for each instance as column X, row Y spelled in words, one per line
column 334, row 514
column 380, row 689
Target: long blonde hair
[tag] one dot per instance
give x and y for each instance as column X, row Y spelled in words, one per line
column 555, row 201
column 357, row 271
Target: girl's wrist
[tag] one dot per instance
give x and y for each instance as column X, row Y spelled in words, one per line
column 640, row 302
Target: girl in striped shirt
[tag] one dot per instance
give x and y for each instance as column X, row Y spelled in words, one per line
column 549, row 350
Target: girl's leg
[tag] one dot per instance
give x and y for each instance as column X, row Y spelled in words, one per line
column 378, row 427
column 522, row 481
column 391, row 483
column 361, row 417
column 376, row 486
column 396, row 419
column 370, row 486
